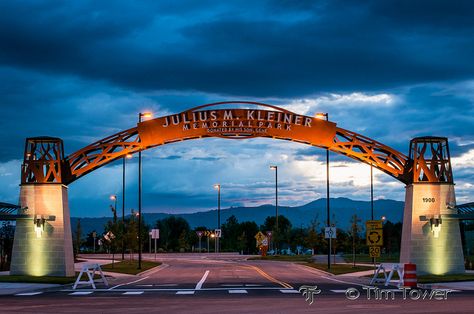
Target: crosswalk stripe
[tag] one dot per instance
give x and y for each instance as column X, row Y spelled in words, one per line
column 28, row 293
column 237, row 291
column 185, row 292
column 81, row 293
column 133, row 292
column 289, row 291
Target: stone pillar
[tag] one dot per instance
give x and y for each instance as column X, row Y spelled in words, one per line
column 434, row 252
column 51, row 253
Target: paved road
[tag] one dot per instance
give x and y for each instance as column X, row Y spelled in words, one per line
column 226, row 284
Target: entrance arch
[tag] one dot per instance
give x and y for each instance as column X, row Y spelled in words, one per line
column 46, row 172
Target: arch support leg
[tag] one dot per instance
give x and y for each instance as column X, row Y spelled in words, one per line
column 43, row 248
column 428, row 240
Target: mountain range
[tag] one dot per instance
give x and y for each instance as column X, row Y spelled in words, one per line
column 341, row 211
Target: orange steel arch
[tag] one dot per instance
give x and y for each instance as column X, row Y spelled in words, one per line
column 237, row 123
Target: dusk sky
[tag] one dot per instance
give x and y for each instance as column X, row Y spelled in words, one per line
column 82, row 70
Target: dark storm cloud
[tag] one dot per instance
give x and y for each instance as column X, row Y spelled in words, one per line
column 260, row 51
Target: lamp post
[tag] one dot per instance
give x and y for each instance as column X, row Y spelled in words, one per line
column 114, row 198
column 328, row 222
column 140, row 116
column 371, row 192
column 276, row 203
column 218, row 187
column 128, row 156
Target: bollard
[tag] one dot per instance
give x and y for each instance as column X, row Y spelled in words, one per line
column 409, row 276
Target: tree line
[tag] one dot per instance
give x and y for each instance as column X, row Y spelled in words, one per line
column 176, row 235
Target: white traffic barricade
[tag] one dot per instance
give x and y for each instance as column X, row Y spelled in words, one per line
column 89, row 270
column 391, row 268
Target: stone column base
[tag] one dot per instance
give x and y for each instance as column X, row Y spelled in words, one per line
column 49, row 252
column 435, row 252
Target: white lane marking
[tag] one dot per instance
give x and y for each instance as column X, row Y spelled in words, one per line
column 289, row 291
column 229, row 285
column 128, row 283
column 252, row 285
column 81, row 293
column 201, row 282
column 144, row 285
column 237, row 291
column 339, row 291
column 185, row 292
column 133, row 292
column 28, row 293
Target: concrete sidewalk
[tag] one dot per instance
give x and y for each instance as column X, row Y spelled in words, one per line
column 7, row 288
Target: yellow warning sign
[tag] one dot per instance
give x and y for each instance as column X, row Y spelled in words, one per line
column 374, row 237
column 374, row 251
column 259, row 237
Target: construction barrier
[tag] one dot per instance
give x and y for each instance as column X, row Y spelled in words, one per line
column 89, row 270
column 409, row 276
column 391, row 268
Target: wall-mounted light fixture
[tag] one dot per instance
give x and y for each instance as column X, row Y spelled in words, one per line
column 435, row 223
column 39, row 221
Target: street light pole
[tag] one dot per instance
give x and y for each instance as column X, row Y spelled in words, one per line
column 371, row 192
column 128, row 156
column 276, row 201
column 140, row 115
column 328, row 222
column 218, row 187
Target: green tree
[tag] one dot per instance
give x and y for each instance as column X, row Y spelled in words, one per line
column 131, row 234
column 77, row 237
column 183, row 241
column 354, row 232
column 248, row 230
column 313, row 239
column 230, row 234
column 282, row 234
column 171, row 229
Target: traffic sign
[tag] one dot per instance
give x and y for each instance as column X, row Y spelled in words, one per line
column 208, row 233
column 374, row 237
column 373, row 224
column 155, row 233
column 330, row 232
column 259, row 237
column 199, row 233
column 265, row 242
column 374, row 251
column 218, row 232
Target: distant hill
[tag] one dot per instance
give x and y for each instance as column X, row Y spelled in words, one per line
column 300, row 216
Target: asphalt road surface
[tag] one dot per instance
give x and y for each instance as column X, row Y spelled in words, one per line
column 230, row 284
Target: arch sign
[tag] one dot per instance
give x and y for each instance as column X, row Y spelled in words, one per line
column 237, row 124
column 46, row 172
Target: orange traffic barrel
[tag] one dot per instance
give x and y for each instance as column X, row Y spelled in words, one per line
column 409, row 276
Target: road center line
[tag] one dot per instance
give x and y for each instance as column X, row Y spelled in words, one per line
column 201, row 282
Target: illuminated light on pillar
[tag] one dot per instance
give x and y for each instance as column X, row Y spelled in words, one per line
column 39, row 226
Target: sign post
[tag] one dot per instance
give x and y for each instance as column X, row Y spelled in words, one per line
column 330, row 233
column 374, row 237
column 155, row 234
column 199, row 234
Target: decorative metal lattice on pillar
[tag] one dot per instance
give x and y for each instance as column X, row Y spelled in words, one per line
column 43, row 160
column 431, row 161
column 429, row 238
